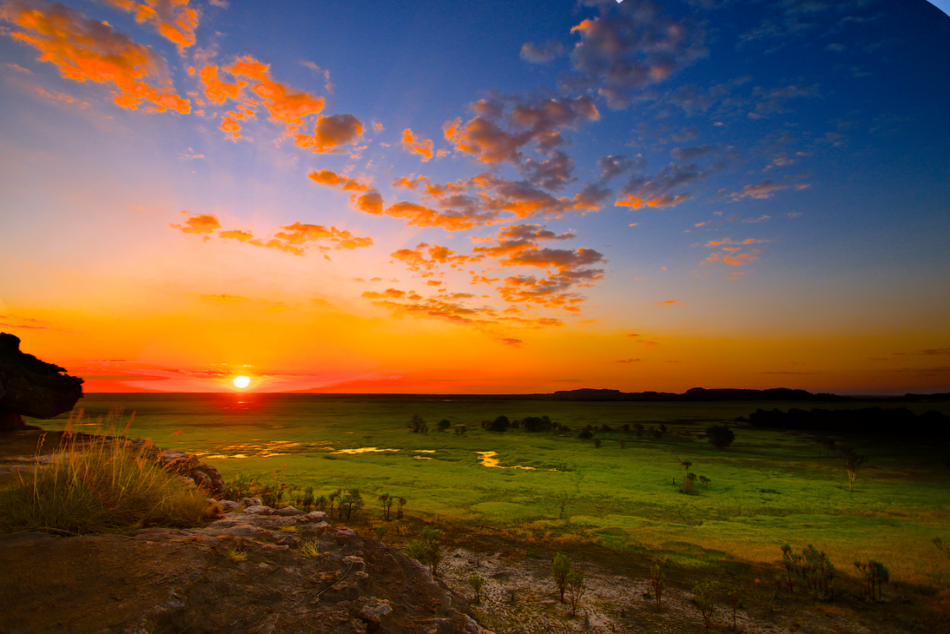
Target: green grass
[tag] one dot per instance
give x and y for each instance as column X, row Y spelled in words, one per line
column 768, row 489
column 99, row 487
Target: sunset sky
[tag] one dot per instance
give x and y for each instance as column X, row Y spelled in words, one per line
column 486, row 196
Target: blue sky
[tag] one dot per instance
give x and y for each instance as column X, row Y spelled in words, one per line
column 759, row 188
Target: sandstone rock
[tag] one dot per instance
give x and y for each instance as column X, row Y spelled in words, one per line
column 376, row 611
column 287, row 511
column 229, row 505
column 314, row 516
column 259, row 510
column 251, row 502
column 30, row 387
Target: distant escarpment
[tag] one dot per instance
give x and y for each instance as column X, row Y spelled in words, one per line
column 695, row 394
column 30, row 387
column 897, row 422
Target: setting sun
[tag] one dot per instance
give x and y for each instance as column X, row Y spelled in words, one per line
column 241, row 381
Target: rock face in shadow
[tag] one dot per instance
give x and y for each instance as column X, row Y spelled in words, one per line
column 30, row 387
column 183, row 581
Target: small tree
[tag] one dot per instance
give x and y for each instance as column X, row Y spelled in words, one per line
column 623, row 443
column 427, row 549
column 418, row 425
column 703, row 480
column 638, row 429
column 734, row 596
column 575, row 589
column 401, row 502
column 791, row 564
column 387, row 502
column 499, row 424
column 875, row 574
column 476, row 582
column 561, row 568
column 704, row 596
column 444, row 424
column 349, row 503
column 585, row 434
column 720, row 436
column 852, row 463
column 657, row 581
column 939, row 544
column 460, row 430
column 597, row 442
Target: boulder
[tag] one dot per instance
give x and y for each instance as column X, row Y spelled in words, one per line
column 30, row 387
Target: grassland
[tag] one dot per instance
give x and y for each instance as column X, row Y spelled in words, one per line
column 768, row 489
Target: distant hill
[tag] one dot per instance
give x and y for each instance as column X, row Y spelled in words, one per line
column 694, row 394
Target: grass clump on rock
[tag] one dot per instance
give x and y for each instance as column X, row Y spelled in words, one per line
column 108, row 485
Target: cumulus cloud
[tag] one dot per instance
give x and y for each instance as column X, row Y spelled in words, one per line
column 89, row 50
column 371, row 202
column 330, row 132
column 198, row 224
column 416, row 260
column 294, row 238
column 617, row 164
column 553, row 173
column 417, row 145
column 173, row 19
column 332, row 179
column 503, row 127
column 692, row 153
column 547, row 52
column 629, row 47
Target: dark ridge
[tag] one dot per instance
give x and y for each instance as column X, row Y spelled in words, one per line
column 898, row 421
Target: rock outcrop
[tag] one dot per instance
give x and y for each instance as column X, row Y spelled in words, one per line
column 173, row 580
column 30, row 387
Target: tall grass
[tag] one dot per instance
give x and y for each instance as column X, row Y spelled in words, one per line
column 99, row 484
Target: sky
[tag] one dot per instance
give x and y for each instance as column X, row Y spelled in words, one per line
column 493, row 196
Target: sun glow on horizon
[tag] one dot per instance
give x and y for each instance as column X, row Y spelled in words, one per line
column 241, row 381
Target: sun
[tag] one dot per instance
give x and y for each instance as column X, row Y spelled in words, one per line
column 241, row 381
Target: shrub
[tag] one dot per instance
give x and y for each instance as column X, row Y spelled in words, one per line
column 656, row 580
column 704, row 596
column 560, row 569
column 875, row 574
column 476, row 583
column 597, row 442
column 939, row 544
column 444, row 424
column 813, row 567
column 623, row 443
column 309, row 550
column 585, row 434
column 638, row 429
column 401, row 502
column 349, row 503
column 380, row 532
column 720, row 436
column 703, row 480
column 418, row 425
column 109, row 486
column 427, row 549
column 537, row 424
column 625, row 427
column 386, row 501
column 575, row 589
column 852, row 463
column 235, row 554
column 499, row 424
column 460, row 430
column 688, row 484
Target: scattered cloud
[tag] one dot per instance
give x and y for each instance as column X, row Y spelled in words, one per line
column 198, row 224
column 547, row 52
column 89, row 50
column 628, row 47
column 627, row 360
column 173, row 19
column 417, row 145
column 332, row 179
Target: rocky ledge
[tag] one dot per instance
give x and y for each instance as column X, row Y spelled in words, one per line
column 184, row 581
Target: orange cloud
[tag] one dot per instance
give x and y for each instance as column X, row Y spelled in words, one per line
column 417, row 145
column 217, row 90
column 198, row 224
column 424, row 217
column 299, row 233
column 416, row 261
column 173, row 19
column 236, row 234
column 662, row 200
column 282, row 103
column 332, row 179
column 669, row 301
column 88, row 50
column 501, row 129
column 371, row 202
column 331, row 132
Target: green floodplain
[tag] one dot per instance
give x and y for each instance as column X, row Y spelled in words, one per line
column 769, row 488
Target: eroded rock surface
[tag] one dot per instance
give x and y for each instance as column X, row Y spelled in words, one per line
column 30, row 387
column 173, row 580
